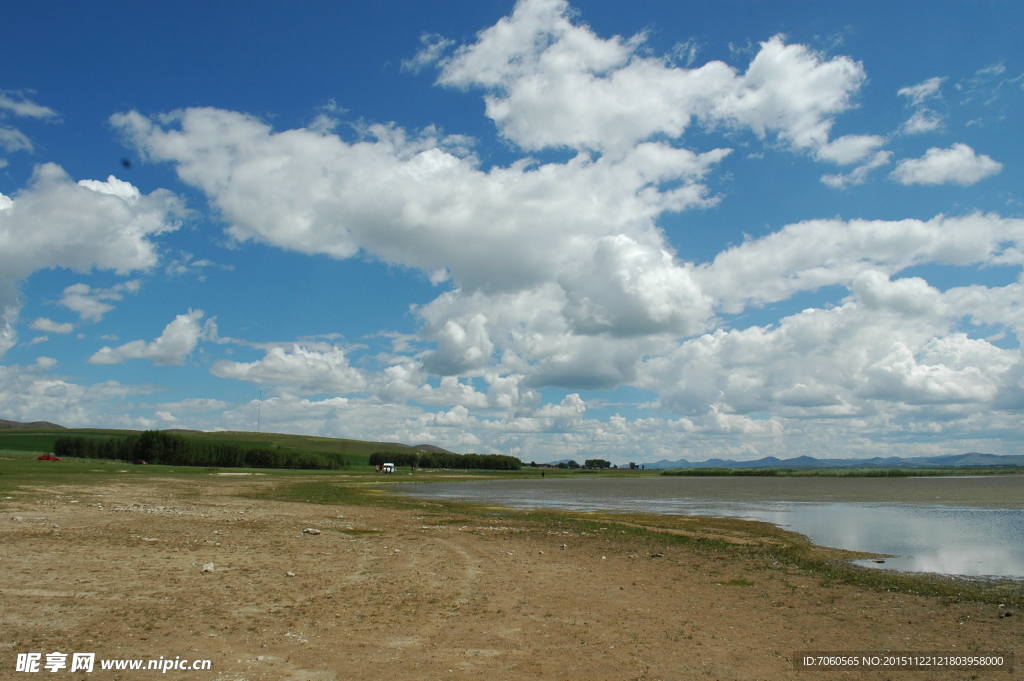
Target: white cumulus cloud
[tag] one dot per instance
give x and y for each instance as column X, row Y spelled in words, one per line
column 50, row 326
column 809, row 255
column 850, row 148
column 410, row 201
column 172, row 347
column 552, row 82
column 56, row 222
column 858, row 175
column 959, row 164
column 312, row 368
column 557, row 272
column 922, row 121
column 890, row 342
column 507, row 232
column 90, row 303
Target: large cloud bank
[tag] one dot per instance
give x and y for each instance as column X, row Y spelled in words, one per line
column 556, row 272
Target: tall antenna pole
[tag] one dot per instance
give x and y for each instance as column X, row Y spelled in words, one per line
column 259, row 404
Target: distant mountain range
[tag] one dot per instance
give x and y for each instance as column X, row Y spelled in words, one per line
column 952, row 460
column 38, row 425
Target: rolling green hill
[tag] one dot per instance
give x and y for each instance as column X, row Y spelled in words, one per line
column 41, row 440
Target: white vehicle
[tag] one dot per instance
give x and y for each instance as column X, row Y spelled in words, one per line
column 387, row 468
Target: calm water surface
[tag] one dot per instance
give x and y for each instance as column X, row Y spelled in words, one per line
column 969, row 526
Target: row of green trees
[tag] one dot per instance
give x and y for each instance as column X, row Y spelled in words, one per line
column 415, row 459
column 158, row 447
column 589, row 464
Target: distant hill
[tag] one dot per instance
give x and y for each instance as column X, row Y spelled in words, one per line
column 433, row 449
column 358, row 448
column 12, row 438
column 951, row 460
column 34, row 425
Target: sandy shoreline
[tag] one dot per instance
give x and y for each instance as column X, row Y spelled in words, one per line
column 427, row 593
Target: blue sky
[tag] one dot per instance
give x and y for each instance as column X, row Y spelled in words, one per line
column 628, row 230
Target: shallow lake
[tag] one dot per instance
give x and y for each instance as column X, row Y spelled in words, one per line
column 963, row 525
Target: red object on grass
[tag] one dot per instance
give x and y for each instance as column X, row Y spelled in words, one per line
column 48, row 457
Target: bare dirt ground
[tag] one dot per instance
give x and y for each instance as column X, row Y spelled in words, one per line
column 384, row 593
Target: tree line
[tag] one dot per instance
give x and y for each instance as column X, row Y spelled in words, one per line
column 589, row 464
column 158, row 447
column 447, row 460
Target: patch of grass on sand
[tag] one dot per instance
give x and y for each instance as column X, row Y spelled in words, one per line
column 22, row 473
column 334, row 491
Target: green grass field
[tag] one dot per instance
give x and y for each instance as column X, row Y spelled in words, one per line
column 357, row 451
column 42, row 440
column 20, row 468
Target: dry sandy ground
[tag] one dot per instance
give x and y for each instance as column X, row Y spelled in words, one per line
column 401, row 595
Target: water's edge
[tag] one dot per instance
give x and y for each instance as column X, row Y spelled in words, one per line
column 913, row 525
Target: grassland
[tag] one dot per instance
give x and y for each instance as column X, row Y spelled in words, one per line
column 42, row 440
column 357, row 450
